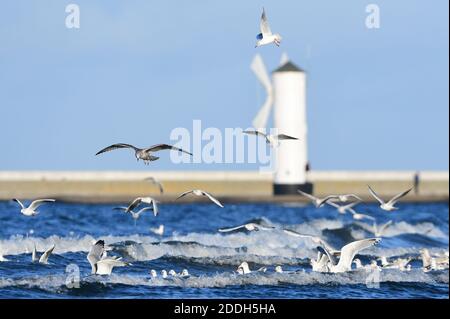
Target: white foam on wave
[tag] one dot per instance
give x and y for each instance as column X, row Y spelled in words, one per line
column 58, row 282
column 262, row 247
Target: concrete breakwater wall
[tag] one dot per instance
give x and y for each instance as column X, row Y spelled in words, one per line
column 232, row 186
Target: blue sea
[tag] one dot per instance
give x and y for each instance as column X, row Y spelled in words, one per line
column 191, row 241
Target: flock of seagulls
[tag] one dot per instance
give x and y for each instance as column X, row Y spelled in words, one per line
column 328, row 259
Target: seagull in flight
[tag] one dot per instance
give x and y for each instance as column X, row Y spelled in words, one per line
column 144, row 154
column 44, row 257
column 31, row 210
column 347, row 255
column 346, row 197
column 342, row 209
column 134, row 215
column 265, row 36
column 249, row 227
column 379, row 231
column 101, row 264
column 359, row 216
column 199, row 192
column 154, row 181
column 388, row 206
column 318, row 202
column 146, row 200
column 272, row 140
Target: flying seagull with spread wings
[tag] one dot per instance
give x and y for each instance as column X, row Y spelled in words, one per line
column 199, row 192
column 318, row 202
column 134, row 215
column 146, row 200
column 272, row 140
column 101, row 264
column 388, row 206
column 348, row 252
column 31, row 210
column 248, row 227
column 154, row 181
column 266, row 36
column 144, row 154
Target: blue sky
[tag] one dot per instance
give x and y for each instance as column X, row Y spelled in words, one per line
column 377, row 98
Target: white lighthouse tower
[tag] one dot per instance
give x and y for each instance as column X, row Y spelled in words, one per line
column 287, row 93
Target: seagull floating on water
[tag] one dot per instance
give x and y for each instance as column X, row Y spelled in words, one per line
column 433, row 262
column 199, row 192
column 265, row 36
column 153, row 273
column 144, row 154
column 388, row 206
column 44, row 257
column 101, row 264
column 244, row 269
column 278, row 269
column 154, row 181
column 31, row 210
column 146, row 200
column 134, row 215
column 400, row 263
column 272, row 140
column 249, row 227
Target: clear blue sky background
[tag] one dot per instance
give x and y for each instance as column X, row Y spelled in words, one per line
column 377, row 99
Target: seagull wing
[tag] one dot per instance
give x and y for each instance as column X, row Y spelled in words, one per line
column 351, row 205
column 155, row 207
column 264, row 24
column 285, row 137
column 160, row 147
column 33, row 254
column 46, row 254
column 315, row 239
column 143, row 210
column 311, row 197
column 183, row 194
column 226, row 230
column 214, row 200
column 156, row 182
column 398, row 196
column 349, row 251
column 18, row 202
column 326, row 199
column 117, row 146
column 255, row 132
column 134, row 204
column 361, row 215
column 355, row 196
column 95, row 254
column 35, row 204
column 384, row 227
column 375, row 195
column 105, row 266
